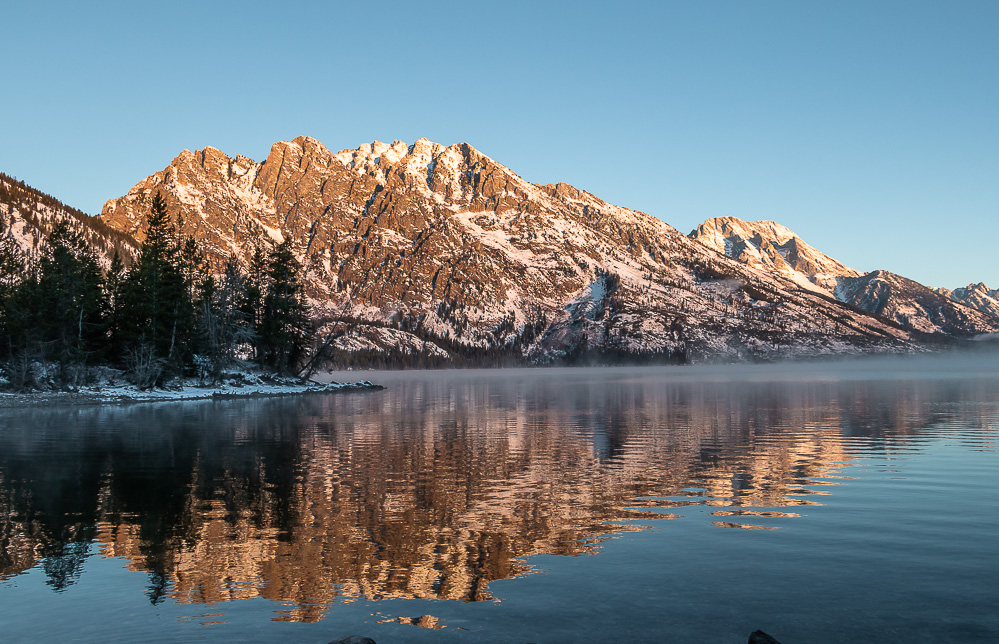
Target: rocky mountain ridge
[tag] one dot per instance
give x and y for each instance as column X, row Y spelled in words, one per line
column 977, row 296
column 768, row 245
column 27, row 216
column 439, row 255
column 440, row 249
column 772, row 247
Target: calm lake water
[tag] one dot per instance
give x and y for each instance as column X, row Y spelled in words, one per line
column 825, row 502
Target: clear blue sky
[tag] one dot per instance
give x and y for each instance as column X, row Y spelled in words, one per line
column 871, row 128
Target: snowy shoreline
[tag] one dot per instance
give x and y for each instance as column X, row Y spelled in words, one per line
column 120, row 394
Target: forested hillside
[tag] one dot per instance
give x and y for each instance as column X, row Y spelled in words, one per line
column 169, row 313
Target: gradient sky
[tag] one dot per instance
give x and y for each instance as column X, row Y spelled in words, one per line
column 870, row 128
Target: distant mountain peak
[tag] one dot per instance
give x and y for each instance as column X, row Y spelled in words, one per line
column 770, row 246
column 977, row 296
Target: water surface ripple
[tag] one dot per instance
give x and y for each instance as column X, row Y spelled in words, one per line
column 825, row 503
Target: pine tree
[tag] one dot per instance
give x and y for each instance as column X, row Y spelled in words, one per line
column 223, row 326
column 12, row 272
column 55, row 309
column 12, row 264
column 70, row 299
column 253, row 293
column 157, row 318
column 282, row 332
column 114, row 282
column 23, row 342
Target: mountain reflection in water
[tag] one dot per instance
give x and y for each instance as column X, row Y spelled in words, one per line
column 432, row 488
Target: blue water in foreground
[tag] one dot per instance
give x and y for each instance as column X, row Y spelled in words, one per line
column 824, row 502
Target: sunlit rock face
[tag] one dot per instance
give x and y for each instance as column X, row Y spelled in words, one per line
column 441, row 250
column 893, row 298
column 769, row 246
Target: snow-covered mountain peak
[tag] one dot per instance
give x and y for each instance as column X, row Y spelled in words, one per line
column 377, row 158
column 770, row 230
column 770, row 246
column 462, row 249
column 978, row 296
column 456, row 172
column 774, row 248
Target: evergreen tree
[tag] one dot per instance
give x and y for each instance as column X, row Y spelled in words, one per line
column 222, row 325
column 12, row 263
column 114, row 282
column 55, row 309
column 191, row 264
column 23, row 342
column 253, row 291
column 157, row 318
column 282, row 332
column 12, row 271
column 70, row 302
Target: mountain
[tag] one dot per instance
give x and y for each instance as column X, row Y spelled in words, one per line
column 977, row 296
column 768, row 245
column 914, row 306
column 440, row 250
column 27, row 216
column 771, row 247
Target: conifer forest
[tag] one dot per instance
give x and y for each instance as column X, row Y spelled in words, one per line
column 163, row 314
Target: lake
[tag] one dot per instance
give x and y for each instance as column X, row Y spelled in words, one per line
column 820, row 502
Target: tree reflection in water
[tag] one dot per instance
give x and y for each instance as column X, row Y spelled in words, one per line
column 430, row 489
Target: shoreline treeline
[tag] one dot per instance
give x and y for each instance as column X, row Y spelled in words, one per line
column 169, row 314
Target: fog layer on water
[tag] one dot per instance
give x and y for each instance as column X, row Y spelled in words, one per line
column 930, row 366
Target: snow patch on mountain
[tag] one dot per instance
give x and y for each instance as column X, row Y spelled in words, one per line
column 773, row 247
column 443, row 242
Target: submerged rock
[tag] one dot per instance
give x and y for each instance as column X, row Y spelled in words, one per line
column 759, row 637
column 353, row 639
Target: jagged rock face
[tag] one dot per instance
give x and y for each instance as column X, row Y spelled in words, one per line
column 914, row 306
column 978, row 296
column 27, row 216
column 448, row 242
column 771, row 247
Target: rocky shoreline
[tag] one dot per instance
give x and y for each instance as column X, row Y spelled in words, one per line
column 128, row 395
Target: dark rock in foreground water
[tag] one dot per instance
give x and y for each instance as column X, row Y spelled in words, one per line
column 759, row 637
column 353, row 639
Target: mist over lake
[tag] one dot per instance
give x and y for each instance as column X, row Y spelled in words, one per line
column 820, row 502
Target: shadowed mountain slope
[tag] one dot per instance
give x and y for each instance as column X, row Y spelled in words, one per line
column 27, row 216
